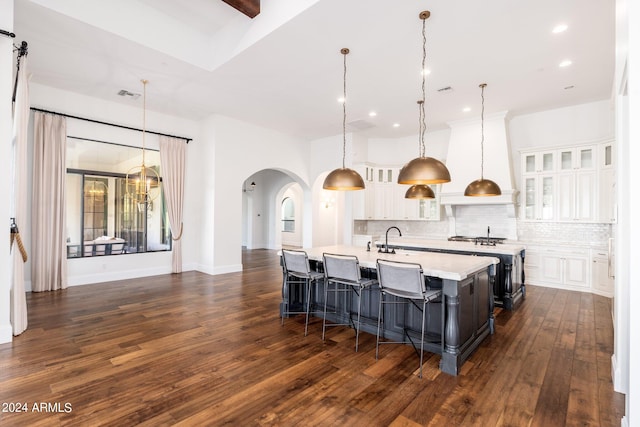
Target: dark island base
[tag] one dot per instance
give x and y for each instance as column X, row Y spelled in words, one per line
column 454, row 333
column 509, row 288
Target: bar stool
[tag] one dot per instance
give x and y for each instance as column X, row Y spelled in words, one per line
column 297, row 271
column 405, row 281
column 343, row 271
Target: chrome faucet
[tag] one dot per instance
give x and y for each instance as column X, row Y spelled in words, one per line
column 488, row 241
column 386, row 241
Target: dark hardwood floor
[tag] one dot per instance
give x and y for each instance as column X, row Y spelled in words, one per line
column 193, row 350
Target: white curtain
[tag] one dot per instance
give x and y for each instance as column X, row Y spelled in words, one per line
column 48, row 238
column 19, row 319
column 172, row 164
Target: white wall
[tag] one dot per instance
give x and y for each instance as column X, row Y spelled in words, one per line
column 328, row 220
column 399, row 151
column 6, row 92
column 627, row 269
column 240, row 150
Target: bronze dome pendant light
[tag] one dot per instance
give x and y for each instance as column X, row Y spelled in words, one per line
column 344, row 179
column 423, row 170
column 420, row 191
column 482, row 187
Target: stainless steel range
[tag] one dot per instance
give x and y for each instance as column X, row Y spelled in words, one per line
column 482, row 240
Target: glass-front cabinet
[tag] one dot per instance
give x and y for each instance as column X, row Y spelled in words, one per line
column 539, row 162
column 580, row 158
column 539, row 198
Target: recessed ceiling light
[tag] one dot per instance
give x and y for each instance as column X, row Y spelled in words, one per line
column 466, row 109
column 426, row 72
column 565, row 63
column 341, row 100
column 560, row 28
column 373, row 114
column 396, row 125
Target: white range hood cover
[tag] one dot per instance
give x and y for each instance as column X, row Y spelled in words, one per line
column 464, row 158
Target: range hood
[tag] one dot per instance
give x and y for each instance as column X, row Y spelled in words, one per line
column 463, row 162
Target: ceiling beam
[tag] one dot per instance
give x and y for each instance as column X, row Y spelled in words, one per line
column 251, row 8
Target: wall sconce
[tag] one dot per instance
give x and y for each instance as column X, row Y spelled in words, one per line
column 327, row 200
column 251, row 187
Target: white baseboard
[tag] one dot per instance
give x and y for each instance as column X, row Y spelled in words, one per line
column 232, row 268
column 89, row 279
column 6, row 334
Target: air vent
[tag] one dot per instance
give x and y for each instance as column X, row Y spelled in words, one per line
column 123, row 92
column 359, row 125
column 445, row 89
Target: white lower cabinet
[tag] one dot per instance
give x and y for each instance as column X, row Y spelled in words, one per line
column 602, row 281
column 567, row 268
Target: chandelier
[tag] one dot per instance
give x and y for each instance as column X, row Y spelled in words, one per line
column 142, row 183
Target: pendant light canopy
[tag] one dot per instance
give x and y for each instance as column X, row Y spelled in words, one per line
column 482, row 187
column 423, row 170
column 142, row 183
column 344, row 178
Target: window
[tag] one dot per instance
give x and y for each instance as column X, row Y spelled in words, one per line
column 288, row 215
column 101, row 218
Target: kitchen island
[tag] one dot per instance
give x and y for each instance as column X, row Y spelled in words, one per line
column 454, row 333
column 509, row 288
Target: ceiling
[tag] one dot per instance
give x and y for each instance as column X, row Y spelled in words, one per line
column 283, row 69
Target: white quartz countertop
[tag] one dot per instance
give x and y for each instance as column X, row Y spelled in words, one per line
column 434, row 264
column 414, row 242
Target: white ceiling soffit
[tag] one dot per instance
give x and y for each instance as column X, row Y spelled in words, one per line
column 204, row 33
column 283, row 69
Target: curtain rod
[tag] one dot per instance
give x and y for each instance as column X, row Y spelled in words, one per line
column 8, row 34
column 110, row 124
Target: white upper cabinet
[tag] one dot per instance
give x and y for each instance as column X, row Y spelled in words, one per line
column 572, row 184
column 606, row 156
column 539, row 162
column 539, row 197
column 578, row 158
column 383, row 198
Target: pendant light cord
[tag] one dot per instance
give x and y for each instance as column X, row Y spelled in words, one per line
column 344, row 52
column 423, row 125
column 482, row 132
column 144, row 116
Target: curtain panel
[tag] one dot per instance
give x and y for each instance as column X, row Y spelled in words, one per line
column 48, row 238
column 172, row 163
column 19, row 320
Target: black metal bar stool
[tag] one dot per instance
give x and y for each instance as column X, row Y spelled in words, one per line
column 297, row 272
column 405, row 281
column 343, row 272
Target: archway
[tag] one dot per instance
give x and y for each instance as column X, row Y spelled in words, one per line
column 262, row 209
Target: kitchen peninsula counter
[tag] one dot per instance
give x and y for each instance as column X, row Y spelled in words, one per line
column 509, row 289
column 458, row 323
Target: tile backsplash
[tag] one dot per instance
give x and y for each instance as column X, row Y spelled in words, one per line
column 472, row 225
column 426, row 229
column 582, row 233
